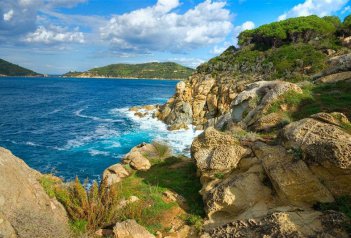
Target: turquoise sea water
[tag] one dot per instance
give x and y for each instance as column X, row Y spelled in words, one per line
column 80, row 127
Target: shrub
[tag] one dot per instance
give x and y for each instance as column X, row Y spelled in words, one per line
column 290, row 30
column 163, row 150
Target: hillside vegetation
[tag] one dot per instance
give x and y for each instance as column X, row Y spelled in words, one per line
column 9, row 69
column 167, row 70
column 292, row 50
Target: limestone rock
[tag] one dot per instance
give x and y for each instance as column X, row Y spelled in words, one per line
column 292, row 179
column 24, row 205
column 114, row 174
column 269, row 122
column 137, row 161
column 297, row 224
column 6, row 229
column 337, row 77
column 319, row 141
column 252, row 103
column 236, row 194
column 138, row 156
column 334, row 118
column 336, row 64
column 131, row 229
column 214, row 150
column 104, row 232
column 346, row 42
column 198, row 100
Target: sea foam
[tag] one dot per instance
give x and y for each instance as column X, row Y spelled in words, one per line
column 180, row 140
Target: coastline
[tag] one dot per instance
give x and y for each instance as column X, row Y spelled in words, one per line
column 65, row 77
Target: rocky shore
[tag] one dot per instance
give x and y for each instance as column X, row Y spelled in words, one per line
column 273, row 160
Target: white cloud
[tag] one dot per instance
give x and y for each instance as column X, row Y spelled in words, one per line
column 158, row 28
column 20, row 17
column 248, row 25
column 186, row 61
column 8, row 15
column 346, row 10
column 314, row 7
column 53, row 35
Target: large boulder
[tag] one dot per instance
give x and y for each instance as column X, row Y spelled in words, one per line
column 239, row 193
column 114, row 174
column 24, row 205
column 217, row 151
column 251, row 104
column 336, row 64
column 137, row 161
column 139, row 156
column 325, row 146
column 130, row 229
column 291, row 178
column 320, row 140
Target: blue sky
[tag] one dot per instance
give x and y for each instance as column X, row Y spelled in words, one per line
column 56, row 36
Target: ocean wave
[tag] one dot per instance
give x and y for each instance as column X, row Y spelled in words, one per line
column 180, row 141
column 78, row 113
column 94, row 152
column 101, row 132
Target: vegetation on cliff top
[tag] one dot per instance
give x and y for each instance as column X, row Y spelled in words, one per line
column 9, row 69
column 293, row 49
column 166, row 70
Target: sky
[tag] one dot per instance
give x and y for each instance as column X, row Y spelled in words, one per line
column 57, row 36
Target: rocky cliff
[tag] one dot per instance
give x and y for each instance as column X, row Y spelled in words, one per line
column 312, row 55
column 25, row 208
column 274, row 158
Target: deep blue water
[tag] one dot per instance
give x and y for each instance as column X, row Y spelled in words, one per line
column 80, row 127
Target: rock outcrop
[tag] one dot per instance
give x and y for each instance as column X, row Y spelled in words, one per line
column 320, row 140
column 216, row 151
column 114, row 174
column 138, row 156
column 252, row 189
column 251, row 104
column 25, row 209
column 296, row 223
column 130, row 229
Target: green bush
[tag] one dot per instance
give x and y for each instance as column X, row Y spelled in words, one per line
column 290, row 30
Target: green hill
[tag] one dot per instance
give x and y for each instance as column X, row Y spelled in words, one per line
column 166, row 70
column 9, row 69
column 291, row 50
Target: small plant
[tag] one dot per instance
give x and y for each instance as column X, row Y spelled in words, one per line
column 298, row 153
column 163, row 150
column 194, row 220
column 219, row 175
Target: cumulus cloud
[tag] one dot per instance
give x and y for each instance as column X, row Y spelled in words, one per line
column 20, row 17
column 159, row 28
column 248, row 25
column 53, row 35
column 8, row 15
column 314, row 7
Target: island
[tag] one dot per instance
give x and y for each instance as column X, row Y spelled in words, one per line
column 153, row 70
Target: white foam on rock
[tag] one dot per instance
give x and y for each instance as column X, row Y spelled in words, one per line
column 180, row 140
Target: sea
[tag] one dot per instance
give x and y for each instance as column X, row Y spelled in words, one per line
column 78, row 127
